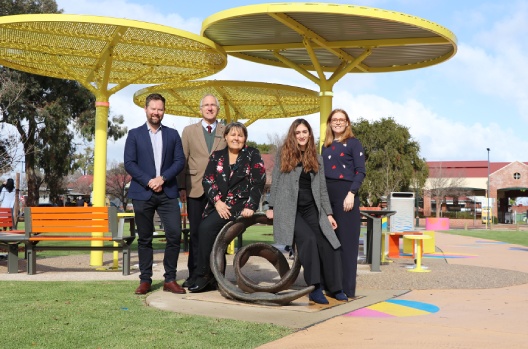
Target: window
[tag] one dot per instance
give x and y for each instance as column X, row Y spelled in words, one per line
column 516, row 175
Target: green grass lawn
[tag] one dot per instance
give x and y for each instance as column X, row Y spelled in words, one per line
column 509, row 236
column 106, row 314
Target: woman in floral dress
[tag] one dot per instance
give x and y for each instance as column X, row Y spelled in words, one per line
column 233, row 183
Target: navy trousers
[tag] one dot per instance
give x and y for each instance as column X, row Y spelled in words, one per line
column 348, row 229
column 169, row 211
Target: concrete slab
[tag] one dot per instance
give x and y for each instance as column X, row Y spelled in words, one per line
column 299, row 314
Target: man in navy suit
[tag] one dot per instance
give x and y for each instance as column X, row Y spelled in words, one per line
column 153, row 157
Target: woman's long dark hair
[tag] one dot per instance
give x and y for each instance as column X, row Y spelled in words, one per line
column 291, row 155
column 10, row 185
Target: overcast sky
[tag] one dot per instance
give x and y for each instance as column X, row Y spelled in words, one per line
column 476, row 100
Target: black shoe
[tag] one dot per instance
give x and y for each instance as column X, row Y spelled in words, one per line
column 214, row 285
column 188, row 282
column 202, row 284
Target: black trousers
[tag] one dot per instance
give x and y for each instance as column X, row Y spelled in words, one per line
column 320, row 261
column 169, row 212
column 348, row 229
column 209, row 229
column 195, row 208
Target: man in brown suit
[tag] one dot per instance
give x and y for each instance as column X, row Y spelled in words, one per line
column 199, row 141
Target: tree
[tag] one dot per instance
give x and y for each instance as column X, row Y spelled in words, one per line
column 392, row 159
column 10, row 92
column 442, row 184
column 117, row 180
column 42, row 117
column 85, row 161
column 263, row 148
column 15, row 7
column 9, row 154
column 56, row 149
column 47, row 115
column 79, row 183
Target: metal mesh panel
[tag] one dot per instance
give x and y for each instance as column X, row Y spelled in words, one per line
column 243, row 99
column 72, row 47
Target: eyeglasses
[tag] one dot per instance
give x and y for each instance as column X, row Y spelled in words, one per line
column 209, row 106
column 338, row 121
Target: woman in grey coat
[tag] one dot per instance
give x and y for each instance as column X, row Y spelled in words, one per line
column 301, row 212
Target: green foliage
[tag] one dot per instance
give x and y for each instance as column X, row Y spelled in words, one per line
column 392, row 158
column 85, row 124
column 15, row 7
column 6, row 159
column 85, row 161
column 107, row 314
column 459, row 215
column 56, row 149
column 263, row 148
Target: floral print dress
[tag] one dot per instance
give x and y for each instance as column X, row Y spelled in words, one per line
column 240, row 186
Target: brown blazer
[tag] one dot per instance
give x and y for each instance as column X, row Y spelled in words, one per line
column 197, row 157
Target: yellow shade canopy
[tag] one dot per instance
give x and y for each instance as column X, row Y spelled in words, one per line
column 329, row 39
column 99, row 51
column 326, row 37
column 105, row 55
column 239, row 99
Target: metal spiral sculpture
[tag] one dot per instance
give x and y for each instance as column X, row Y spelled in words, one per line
column 248, row 290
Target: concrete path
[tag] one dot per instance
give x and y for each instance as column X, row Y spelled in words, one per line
column 467, row 318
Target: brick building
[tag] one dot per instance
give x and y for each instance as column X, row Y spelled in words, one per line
column 508, row 181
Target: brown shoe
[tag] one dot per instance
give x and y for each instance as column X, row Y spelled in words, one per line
column 173, row 287
column 144, row 288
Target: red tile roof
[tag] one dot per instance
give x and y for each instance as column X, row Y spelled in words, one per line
column 468, row 169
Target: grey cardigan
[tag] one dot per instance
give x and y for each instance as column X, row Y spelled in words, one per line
column 283, row 199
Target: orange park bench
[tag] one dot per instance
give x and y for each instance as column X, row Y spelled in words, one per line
column 53, row 228
column 10, row 239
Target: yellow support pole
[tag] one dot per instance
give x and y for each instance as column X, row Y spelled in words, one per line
column 326, row 108
column 99, row 183
column 231, row 248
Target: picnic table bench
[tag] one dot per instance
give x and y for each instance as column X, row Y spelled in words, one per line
column 48, row 225
column 10, row 239
column 159, row 230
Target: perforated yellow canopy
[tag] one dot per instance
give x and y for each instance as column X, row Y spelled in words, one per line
column 239, row 99
column 329, row 38
column 105, row 55
column 104, row 50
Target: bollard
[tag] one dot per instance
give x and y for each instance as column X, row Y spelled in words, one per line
column 231, row 248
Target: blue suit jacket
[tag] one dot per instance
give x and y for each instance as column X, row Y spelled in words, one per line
column 139, row 162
